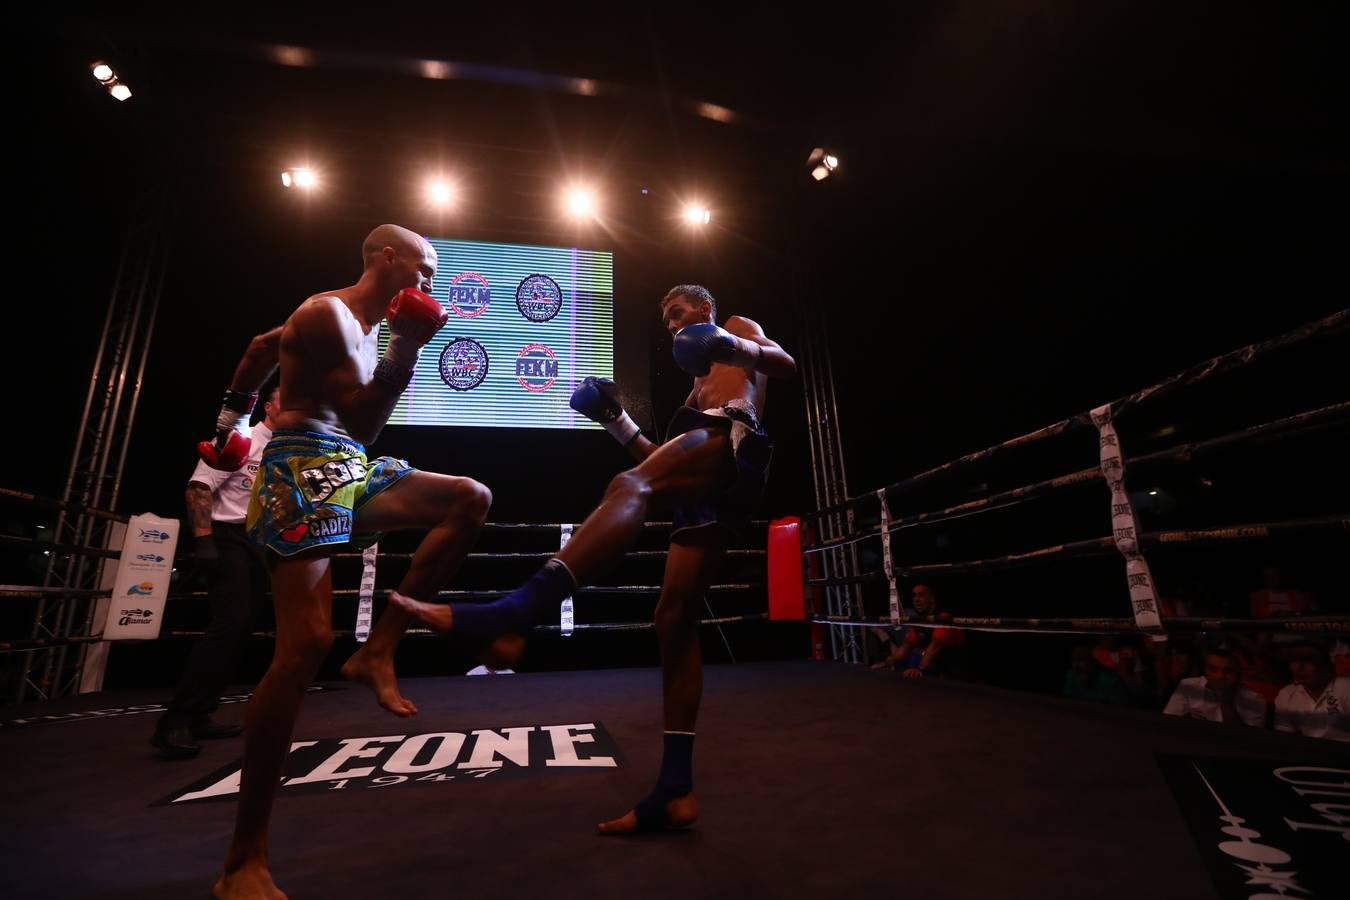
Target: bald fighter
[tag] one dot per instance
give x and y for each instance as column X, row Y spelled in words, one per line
column 317, row 493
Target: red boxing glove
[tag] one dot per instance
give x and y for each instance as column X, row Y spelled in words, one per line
column 227, row 452
column 229, row 449
column 415, row 316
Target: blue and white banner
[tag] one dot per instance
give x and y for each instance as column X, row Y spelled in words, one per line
column 136, row 609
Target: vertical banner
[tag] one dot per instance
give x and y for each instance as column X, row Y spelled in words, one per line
column 565, row 620
column 366, row 598
column 887, row 562
column 137, row 605
column 1125, row 526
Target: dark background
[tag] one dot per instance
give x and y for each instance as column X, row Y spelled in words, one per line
column 1041, row 206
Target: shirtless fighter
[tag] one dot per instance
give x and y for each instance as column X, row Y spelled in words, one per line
column 316, row 493
column 712, row 467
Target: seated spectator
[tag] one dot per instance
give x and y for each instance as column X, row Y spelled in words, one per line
column 1317, row 704
column 1218, row 695
column 1114, row 653
column 927, row 651
column 1088, row 680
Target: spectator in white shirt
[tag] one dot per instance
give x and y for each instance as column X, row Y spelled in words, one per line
column 1317, row 704
column 1218, row 695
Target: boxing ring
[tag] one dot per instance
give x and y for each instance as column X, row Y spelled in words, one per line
column 811, row 776
column 830, row 562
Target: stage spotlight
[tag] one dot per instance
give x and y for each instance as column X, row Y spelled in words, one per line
column 821, row 163
column 104, row 75
column 579, row 202
column 301, row 178
column 697, row 214
column 440, row 192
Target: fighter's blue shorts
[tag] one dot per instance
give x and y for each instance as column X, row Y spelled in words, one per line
column 752, row 449
column 310, row 489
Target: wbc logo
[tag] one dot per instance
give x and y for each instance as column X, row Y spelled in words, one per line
column 463, row 364
column 538, row 298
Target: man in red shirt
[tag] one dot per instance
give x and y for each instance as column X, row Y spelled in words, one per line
column 918, row 652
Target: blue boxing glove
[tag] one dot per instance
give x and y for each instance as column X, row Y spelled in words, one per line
column 598, row 400
column 697, row 347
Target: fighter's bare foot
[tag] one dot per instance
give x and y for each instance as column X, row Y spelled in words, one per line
column 377, row 671
column 681, row 812
column 436, row 616
column 252, row 881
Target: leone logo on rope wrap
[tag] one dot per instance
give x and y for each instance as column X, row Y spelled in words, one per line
column 538, row 298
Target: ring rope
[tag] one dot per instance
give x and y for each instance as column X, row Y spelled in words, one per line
column 1222, row 364
column 1309, row 421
